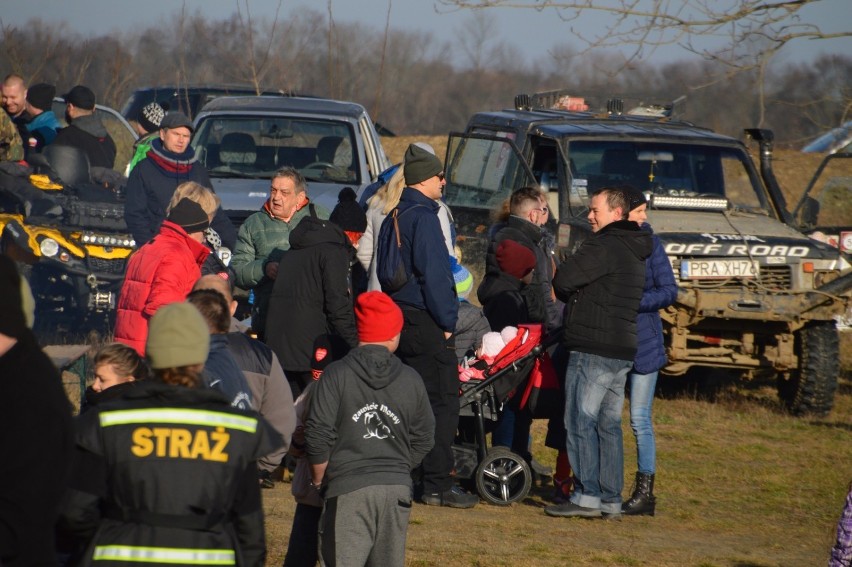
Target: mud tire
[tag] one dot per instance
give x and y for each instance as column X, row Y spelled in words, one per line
column 810, row 389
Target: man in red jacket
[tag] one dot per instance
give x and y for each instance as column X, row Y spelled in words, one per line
column 163, row 271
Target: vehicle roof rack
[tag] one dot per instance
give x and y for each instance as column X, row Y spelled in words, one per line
column 567, row 100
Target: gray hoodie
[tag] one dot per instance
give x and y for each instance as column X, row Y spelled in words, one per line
column 370, row 419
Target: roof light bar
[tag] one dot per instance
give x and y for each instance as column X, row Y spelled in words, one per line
column 700, row 203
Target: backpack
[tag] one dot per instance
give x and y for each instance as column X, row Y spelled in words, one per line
column 390, row 268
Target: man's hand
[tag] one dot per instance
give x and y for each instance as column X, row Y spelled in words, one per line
column 271, row 270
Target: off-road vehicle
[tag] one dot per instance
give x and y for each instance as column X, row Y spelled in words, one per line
column 755, row 294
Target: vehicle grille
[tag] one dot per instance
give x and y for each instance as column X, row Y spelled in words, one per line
column 105, row 266
column 771, row 277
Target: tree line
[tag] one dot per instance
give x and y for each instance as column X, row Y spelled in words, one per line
column 414, row 84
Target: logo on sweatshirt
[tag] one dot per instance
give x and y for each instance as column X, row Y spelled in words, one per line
column 374, row 423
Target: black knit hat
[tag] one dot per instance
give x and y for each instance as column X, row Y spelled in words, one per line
column 189, row 215
column 81, row 97
column 150, row 116
column 635, row 198
column 420, row 165
column 348, row 214
column 41, row 95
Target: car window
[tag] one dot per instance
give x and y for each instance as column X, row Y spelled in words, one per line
column 482, row 172
column 678, row 170
column 322, row 150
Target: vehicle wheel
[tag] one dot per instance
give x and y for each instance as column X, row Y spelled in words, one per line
column 503, row 477
column 810, row 389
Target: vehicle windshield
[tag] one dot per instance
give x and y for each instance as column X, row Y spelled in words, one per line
column 322, row 150
column 676, row 170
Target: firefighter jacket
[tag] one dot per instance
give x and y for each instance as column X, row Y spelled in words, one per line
column 167, row 475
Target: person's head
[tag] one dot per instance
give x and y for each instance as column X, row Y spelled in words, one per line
column 516, row 260
column 423, row 171
column 14, row 93
column 40, row 98
column 178, row 344
column 379, row 320
column 349, row 215
column 529, row 204
column 213, row 306
column 637, row 205
column 117, row 363
column 79, row 101
column 608, row 204
column 149, row 118
column 175, row 131
column 191, row 190
column 387, row 197
column 287, row 191
column 189, row 215
column 216, row 282
column 462, row 278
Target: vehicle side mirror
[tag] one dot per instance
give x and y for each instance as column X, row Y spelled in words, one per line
column 809, row 213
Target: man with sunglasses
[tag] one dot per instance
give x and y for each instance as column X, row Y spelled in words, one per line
column 430, row 311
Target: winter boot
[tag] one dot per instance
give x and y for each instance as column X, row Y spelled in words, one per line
column 642, row 502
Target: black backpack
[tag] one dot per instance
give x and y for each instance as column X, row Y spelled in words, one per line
column 390, row 268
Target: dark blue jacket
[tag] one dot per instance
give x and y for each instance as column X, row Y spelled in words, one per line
column 660, row 291
column 425, row 255
column 221, row 372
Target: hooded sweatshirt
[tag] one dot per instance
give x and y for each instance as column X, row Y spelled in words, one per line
column 601, row 285
column 89, row 134
column 370, row 419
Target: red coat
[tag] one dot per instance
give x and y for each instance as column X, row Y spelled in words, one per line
column 163, row 271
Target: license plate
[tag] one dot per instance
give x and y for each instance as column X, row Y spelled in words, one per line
column 718, row 269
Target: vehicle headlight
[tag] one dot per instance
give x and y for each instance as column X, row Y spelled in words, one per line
column 49, row 247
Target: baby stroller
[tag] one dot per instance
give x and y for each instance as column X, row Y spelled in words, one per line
column 501, row 476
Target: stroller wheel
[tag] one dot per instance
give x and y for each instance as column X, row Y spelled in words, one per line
column 503, row 477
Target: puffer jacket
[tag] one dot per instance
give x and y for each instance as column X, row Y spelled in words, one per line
column 150, row 188
column 89, row 134
column 312, row 295
column 162, row 271
column 602, row 286
column 660, row 291
column 167, row 475
column 264, row 238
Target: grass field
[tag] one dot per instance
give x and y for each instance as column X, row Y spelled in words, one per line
column 739, row 484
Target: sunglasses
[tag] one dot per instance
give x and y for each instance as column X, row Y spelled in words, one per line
column 441, row 176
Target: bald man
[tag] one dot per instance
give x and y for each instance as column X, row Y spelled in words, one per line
column 271, row 395
column 14, row 92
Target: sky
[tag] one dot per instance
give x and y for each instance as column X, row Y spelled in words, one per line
column 529, row 31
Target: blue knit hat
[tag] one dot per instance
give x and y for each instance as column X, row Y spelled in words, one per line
column 462, row 279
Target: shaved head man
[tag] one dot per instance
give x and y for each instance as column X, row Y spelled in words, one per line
column 14, row 95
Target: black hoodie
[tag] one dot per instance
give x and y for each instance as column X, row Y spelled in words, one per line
column 370, row 420
column 312, row 294
column 602, row 284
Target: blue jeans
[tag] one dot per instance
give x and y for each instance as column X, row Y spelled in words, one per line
column 641, row 399
column 594, row 399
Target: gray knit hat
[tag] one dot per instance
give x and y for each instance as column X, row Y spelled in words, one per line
column 420, row 165
column 177, row 336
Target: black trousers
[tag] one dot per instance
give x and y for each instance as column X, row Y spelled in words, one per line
column 423, row 347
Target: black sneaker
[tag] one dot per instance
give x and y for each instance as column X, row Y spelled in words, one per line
column 571, row 510
column 456, row 497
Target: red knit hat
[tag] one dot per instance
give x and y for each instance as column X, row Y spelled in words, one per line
column 379, row 318
column 515, row 259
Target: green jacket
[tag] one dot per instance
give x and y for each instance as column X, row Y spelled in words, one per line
column 11, row 146
column 263, row 238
